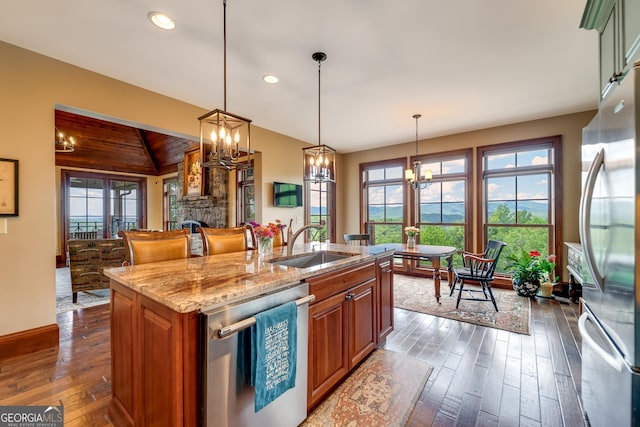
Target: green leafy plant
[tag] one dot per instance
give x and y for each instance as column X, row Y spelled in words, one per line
column 530, row 266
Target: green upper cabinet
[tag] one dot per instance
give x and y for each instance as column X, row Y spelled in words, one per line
column 618, row 22
column 631, row 29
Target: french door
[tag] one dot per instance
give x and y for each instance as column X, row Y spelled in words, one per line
column 97, row 206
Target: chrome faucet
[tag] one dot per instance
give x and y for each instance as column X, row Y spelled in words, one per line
column 291, row 236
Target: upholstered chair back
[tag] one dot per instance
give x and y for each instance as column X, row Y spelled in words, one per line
column 224, row 240
column 154, row 246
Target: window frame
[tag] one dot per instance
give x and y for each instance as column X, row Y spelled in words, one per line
column 67, row 174
column 166, row 205
column 331, row 209
column 365, row 226
column 413, row 207
column 555, row 195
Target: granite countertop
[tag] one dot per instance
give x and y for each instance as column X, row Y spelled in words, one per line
column 203, row 282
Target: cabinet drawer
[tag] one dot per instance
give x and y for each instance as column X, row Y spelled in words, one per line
column 329, row 284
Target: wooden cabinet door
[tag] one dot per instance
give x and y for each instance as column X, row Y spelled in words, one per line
column 362, row 331
column 384, row 276
column 123, row 404
column 328, row 358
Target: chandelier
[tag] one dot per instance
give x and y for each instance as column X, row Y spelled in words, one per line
column 224, row 136
column 413, row 176
column 320, row 160
column 64, row 144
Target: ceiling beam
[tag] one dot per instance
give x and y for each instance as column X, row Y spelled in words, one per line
column 147, row 150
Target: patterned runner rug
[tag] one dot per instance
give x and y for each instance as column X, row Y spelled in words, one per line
column 418, row 294
column 382, row 391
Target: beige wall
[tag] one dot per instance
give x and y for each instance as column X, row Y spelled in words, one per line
column 569, row 126
column 31, row 86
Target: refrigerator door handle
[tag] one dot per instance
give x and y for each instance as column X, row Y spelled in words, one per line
column 613, row 360
column 585, row 217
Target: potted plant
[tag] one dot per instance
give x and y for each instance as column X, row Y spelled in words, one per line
column 528, row 270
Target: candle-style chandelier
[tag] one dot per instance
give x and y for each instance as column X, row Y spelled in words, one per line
column 224, row 136
column 416, row 178
column 64, row 144
column 319, row 160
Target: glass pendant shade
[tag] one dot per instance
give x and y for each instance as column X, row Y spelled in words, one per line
column 319, row 164
column 225, row 140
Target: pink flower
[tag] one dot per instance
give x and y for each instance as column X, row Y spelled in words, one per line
column 534, row 253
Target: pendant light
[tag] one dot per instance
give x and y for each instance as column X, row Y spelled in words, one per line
column 320, row 160
column 413, row 177
column 224, row 136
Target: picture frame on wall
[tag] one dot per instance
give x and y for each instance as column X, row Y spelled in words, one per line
column 193, row 173
column 8, row 187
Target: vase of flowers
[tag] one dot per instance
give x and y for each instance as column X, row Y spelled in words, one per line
column 528, row 270
column 264, row 237
column 411, row 236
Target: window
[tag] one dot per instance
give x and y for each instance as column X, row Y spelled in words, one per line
column 444, row 208
column 246, row 196
column 383, row 197
column 98, row 205
column 320, row 206
column 170, row 203
column 519, row 187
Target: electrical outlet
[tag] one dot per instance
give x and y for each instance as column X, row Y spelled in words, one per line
column 3, row 226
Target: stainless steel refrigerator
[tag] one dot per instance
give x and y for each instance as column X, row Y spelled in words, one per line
column 609, row 207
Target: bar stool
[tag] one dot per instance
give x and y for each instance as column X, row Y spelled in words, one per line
column 143, row 247
column 225, row 240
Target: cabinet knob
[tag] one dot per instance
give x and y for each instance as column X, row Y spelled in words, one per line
column 350, row 296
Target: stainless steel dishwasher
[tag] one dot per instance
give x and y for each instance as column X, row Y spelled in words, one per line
column 226, row 400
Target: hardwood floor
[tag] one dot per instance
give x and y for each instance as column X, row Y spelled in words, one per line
column 488, row 377
column 481, row 376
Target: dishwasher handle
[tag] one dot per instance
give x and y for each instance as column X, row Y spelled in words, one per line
column 244, row 324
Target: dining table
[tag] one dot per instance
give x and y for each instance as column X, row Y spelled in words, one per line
column 430, row 253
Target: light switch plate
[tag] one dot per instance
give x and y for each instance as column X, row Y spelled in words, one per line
column 3, row 225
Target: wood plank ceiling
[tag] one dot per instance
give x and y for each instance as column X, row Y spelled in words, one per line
column 109, row 146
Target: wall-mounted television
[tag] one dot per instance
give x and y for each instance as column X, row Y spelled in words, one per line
column 287, row 195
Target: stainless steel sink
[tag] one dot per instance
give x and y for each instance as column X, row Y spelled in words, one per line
column 311, row 259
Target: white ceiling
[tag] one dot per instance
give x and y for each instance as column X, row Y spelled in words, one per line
column 462, row 64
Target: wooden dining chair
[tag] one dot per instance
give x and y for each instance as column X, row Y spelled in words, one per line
column 225, row 240
column 356, row 239
column 478, row 268
column 143, row 247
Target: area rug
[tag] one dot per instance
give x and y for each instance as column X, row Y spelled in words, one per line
column 418, row 294
column 380, row 392
column 64, row 301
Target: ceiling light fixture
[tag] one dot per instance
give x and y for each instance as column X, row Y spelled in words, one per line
column 320, row 160
column 413, row 176
column 161, row 20
column 221, row 132
column 270, row 78
column 64, row 144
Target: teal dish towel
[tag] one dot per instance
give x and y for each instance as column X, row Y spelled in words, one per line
column 274, row 343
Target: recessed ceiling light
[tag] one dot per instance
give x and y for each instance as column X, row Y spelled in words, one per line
column 161, row 20
column 270, row 78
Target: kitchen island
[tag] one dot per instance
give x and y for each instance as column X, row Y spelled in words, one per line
column 155, row 330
